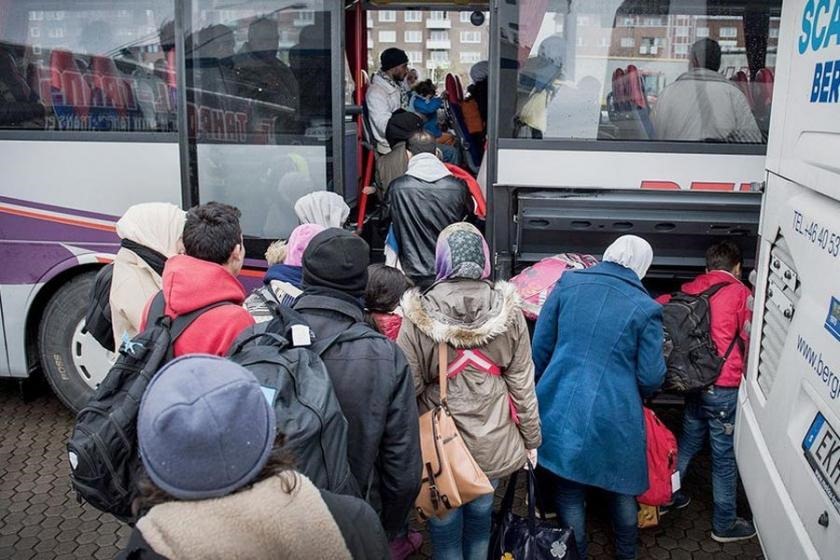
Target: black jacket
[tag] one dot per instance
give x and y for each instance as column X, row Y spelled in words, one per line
column 419, row 212
column 374, row 386
column 361, row 530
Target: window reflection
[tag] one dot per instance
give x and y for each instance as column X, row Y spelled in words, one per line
column 612, row 70
column 83, row 66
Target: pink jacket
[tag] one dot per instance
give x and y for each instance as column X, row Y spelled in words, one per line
column 729, row 316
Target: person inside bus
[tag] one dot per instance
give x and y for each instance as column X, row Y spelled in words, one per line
column 474, row 106
column 385, row 95
column 536, row 87
column 401, row 126
column 19, row 105
column 210, row 60
column 204, row 275
column 702, row 105
column 262, row 76
column 218, row 482
column 310, row 61
column 712, row 411
column 421, row 204
column 149, row 233
column 425, row 101
column 597, row 350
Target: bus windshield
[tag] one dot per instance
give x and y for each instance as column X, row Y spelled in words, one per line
column 637, row 71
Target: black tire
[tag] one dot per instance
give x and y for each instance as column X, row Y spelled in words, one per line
column 62, row 316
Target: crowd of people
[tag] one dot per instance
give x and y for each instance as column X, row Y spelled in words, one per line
column 569, row 399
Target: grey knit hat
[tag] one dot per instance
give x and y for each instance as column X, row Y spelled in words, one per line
column 205, row 428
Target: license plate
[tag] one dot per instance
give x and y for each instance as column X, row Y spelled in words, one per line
column 822, row 450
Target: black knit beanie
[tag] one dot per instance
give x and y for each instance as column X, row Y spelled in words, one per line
column 337, row 259
column 392, row 57
column 401, row 126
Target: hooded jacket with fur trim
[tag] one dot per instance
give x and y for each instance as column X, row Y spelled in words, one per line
column 490, row 376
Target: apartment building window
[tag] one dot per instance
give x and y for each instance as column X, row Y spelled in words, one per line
column 387, row 16
column 628, row 42
column 412, row 16
column 415, row 57
column 681, row 49
column 682, row 32
column 702, row 32
column 35, row 32
column 469, row 57
column 604, row 42
column 652, row 21
column 729, row 32
column 413, row 36
column 439, row 56
column 465, row 17
column 439, row 36
column 470, row 36
column 774, row 32
column 387, row 36
column 437, row 16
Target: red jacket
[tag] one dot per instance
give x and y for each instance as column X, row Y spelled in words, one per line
column 729, row 314
column 189, row 284
column 387, row 323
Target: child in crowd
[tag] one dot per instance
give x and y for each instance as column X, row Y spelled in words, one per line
column 282, row 281
column 385, row 287
column 218, row 483
column 426, row 103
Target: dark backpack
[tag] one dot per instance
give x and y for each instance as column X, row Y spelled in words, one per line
column 296, row 382
column 103, row 453
column 98, row 319
column 693, row 362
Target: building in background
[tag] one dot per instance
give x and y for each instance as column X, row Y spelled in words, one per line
column 436, row 42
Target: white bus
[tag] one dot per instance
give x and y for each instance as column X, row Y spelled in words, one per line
column 106, row 104
column 787, row 435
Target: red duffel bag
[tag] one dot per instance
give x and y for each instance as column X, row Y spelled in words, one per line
column 661, row 462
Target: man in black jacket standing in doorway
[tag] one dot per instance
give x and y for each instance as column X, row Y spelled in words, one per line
column 422, row 203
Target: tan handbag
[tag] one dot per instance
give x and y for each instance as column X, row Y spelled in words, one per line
column 451, row 477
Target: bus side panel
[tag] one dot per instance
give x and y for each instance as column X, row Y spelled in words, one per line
column 94, row 177
column 793, row 372
column 629, row 170
column 805, row 135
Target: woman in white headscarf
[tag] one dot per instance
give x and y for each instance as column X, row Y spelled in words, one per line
column 598, row 351
column 150, row 233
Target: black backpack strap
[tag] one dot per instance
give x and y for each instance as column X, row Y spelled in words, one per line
column 357, row 331
column 182, row 322
column 157, row 309
column 713, row 290
column 736, row 340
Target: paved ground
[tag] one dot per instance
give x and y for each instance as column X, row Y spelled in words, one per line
column 40, row 517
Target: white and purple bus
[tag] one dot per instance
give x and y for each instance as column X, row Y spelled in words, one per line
column 107, row 104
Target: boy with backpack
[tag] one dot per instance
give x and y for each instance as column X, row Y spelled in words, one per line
column 712, row 409
column 207, row 275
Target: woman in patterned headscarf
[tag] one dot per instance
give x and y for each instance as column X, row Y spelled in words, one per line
column 490, row 375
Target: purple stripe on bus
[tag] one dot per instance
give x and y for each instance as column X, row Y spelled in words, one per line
column 62, row 209
column 27, row 263
column 24, row 228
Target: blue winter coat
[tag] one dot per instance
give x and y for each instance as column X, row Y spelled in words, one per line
column 597, row 351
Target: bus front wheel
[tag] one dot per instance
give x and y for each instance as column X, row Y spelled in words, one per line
column 73, row 362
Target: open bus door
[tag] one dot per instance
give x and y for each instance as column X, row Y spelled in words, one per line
column 263, row 88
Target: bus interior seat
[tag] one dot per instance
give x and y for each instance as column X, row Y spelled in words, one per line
column 742, row 81
column 628, row 110
column 451, row 86
column 460, row 88
column 471, row 151
column 70, row 92
column 764, row 79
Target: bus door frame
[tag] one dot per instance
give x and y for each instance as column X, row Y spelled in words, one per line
column 189, row 188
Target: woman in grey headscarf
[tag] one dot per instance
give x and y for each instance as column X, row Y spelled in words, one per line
column 598, row 350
